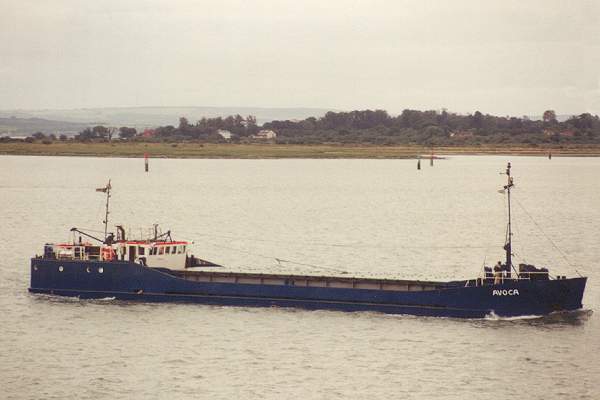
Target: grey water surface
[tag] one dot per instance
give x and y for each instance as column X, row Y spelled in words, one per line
column 380, row 218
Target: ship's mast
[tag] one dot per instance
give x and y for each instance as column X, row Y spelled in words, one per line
column 508, row 245
column 108, row 239
column 107, row 191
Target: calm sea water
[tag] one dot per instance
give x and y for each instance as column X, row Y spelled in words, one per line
column 364, row 217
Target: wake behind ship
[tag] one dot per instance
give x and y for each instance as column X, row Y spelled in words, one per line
column 159, row 269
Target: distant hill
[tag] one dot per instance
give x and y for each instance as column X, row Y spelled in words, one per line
column 13, row 126
column 146, row 117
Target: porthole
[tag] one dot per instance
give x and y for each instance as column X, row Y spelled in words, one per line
column 101, row 270
column 88, row 270
column 61, row 269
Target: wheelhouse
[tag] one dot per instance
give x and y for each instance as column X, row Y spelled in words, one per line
column 155, row 251
column 168, row 254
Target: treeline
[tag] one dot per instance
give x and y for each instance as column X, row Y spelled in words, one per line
column 436, row 128
column 204, row 130
column 433, row 128
column 207, row 129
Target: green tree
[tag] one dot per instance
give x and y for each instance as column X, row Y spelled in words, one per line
column 183, row 124
column 126, row 133
column 85, row 135
column 477, row 120
column 100, row 132
column 110, row 132
column 549, row 117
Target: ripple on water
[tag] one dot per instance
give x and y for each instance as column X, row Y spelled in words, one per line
column 366, row 217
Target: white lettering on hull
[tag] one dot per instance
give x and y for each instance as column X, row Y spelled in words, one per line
column 505, row 292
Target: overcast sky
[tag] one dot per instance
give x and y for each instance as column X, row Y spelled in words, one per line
column 501, row 57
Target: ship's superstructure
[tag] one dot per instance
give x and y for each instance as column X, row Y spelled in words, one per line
column 157, row 250
column 150, row 252
column 153, row 248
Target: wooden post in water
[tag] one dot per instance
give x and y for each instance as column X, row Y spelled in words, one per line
column 146, row 161
column 550, row 155
column 431, row 158
column 419, row 163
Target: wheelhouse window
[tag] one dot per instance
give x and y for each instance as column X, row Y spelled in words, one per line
column 141, row 250
column 161, row 250
column 93, row 251
column 173, row 249
column 168, row 250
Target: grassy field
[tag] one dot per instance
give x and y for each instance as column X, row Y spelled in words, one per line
column 195, row 150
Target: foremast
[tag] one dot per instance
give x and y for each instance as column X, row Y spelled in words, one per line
column 106, row 190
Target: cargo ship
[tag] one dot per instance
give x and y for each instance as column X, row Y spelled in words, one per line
column 156, row 268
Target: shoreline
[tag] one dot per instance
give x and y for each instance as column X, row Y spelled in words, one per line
column 276, row 151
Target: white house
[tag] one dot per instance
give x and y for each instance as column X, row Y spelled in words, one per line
column 225, row 134
column 265, row 134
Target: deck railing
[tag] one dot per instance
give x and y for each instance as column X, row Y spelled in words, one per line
column 490, row 278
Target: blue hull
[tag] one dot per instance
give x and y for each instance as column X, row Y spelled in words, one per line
column 129, row 281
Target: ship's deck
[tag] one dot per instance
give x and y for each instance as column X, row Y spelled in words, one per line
column 309, row 281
